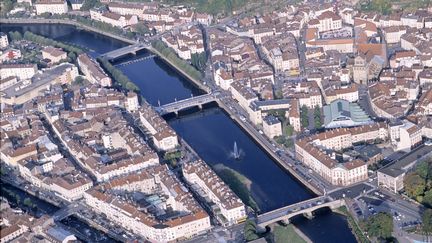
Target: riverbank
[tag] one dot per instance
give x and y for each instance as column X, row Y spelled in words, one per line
column 195, row 81
column 289, row 233
column 66, row 22
column 239, row 183
column 355, row 228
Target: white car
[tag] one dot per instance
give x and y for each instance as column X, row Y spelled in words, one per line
column 428, row 143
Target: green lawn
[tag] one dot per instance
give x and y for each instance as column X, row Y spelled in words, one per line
column 286, row 234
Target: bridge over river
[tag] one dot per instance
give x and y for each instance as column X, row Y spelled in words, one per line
column 301, row 208
column 187, row 103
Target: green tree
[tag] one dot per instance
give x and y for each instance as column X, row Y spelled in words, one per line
column 427, row 222
column 15, row 35
column 414, row 185
column 380, row 226
column 141, row 28
column 289, row 130
column 89, row 4
column 250, row 232
column 304, row 119
column 6, row 6
column 27, row 202
column 427, row 198
column 424, row 169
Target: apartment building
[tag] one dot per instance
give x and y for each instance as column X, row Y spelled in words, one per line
column 55, row 55
column 4, row 42
column 187, row 218
column 326, row 21
column 206, row 183
column 51, row 6
column 163, row 136
column 21, row 71
column 114, row 19
column 272, row 127
column 93, row 71
column 316, row 152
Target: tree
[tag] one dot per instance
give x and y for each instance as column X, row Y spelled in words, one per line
column 427, row 222
column 15, row 35
column 414, row 185
column 317, row 117
column 141, row 28
column 427, row 198
column 289, row 130
column 424, row 169
column 380, row 225
column 89, row 4
column 250, row 233
column 304, row 116
column 27, row 202
column 72, row 56
column 7, row 6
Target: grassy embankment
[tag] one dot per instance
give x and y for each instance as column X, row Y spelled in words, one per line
column 238, row 183
column 282, row 234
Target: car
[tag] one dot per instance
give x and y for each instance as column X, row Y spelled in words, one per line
column 428, row 143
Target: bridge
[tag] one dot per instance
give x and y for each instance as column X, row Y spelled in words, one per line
column 131, row 49
column 301, row 208
column 187, row 103
column 67, row 211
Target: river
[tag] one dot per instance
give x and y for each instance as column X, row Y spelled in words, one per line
column 210, row 132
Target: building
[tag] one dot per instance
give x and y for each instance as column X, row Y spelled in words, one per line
column 131, row 102
column 405, row 135
column 318, row 152
column 93, row 71
column 4, row 42
column 341, row 113
column 51, row 6
column 55, row 55
column 294, row 115
column 21, row 71
column 209, row 186
column 343, row 44
column 27, row 90
column 76, row 4
column 371, row 154
column 172, row 212
column 368, row 63
column 163, row 136
column 114, row 19
column 392, row 176
column 272, row 127
column 326, row 21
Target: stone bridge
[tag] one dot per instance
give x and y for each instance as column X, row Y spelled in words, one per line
column 305, row 208
column 131, row 49
column 187, row 103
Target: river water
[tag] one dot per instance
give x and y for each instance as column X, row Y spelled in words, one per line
column 211, row 133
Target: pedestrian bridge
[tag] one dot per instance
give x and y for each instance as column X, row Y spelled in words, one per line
column 301, row 208
column 131, row 49
column 187, row 103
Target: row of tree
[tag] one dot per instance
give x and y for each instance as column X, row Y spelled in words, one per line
column 169, row 54
column 119, row 77
column 73, row 51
